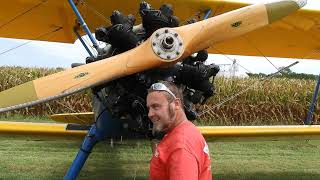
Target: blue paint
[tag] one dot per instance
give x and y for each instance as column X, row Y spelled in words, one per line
column 207, row 14
column 82, row 42
column 308, row 121
column 85, row 149
column 103, row 128
column 83, row 24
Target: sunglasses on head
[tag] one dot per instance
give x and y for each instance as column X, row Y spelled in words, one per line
column 161, row 87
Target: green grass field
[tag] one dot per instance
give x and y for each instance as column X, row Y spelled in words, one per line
column 49, row 158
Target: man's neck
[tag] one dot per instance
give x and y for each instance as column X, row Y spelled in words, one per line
column 180, row 118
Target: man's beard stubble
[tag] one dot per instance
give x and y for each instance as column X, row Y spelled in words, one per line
column 158, row 128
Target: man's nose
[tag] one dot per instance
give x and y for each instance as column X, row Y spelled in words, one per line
column 150, row 114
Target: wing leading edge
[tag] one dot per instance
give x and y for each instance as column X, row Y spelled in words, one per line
column 211, row 133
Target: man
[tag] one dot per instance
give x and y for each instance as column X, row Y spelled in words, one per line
column 183, row 152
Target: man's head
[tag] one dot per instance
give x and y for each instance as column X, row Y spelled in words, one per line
column 164, row 102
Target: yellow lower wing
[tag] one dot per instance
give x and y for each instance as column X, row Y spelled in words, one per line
column 211, row 133
column 86, row 118
column 42, row 129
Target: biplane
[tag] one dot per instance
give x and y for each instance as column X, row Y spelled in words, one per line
column 157, row 42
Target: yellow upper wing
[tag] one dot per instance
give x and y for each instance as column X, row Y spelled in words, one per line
column 296, row 36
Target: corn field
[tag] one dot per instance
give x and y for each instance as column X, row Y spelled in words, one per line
column 270, row 102
column 274, row 101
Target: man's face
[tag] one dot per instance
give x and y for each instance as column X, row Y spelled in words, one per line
column 161, row 112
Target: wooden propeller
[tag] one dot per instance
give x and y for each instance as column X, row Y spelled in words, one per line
column 165, row 46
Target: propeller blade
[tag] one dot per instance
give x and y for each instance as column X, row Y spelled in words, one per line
column 79, row 78
column 204, row 34
column 166, row 46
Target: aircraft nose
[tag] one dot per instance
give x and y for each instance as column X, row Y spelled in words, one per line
column 279, row 9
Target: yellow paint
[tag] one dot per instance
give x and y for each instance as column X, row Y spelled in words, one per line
column 256, row 131
column 18, row 95
column 86, row 118
column 216, row 133
column 47, row 129
column 295, row 40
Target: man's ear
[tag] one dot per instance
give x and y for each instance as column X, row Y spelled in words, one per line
column 177, row 104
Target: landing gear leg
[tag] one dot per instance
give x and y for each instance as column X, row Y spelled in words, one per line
column 103, row 128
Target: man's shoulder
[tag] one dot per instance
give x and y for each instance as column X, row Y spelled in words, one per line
column 177, row 137
column 189, row 130
column 187, row 133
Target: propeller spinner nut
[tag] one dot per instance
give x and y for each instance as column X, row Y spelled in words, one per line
column 167, row 44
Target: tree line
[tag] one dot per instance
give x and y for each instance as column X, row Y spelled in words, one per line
column 288, row 73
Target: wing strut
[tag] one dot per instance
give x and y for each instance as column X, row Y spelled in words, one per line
column 75, row 30
column 207, row 13
column 308, row 121
column 102, row 127
column 84, row 25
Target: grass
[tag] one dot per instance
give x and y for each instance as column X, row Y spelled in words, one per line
column 45, row 158
column 266, row 160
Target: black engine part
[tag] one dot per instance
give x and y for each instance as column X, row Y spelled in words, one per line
column 125, row 97
column 120, row 34
column 153, row 19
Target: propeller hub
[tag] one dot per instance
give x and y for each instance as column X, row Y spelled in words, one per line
column 167, row 44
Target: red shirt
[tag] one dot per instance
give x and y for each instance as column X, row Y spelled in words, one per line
column 182, row 154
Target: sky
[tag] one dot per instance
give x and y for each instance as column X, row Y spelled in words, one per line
column 49, row 54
